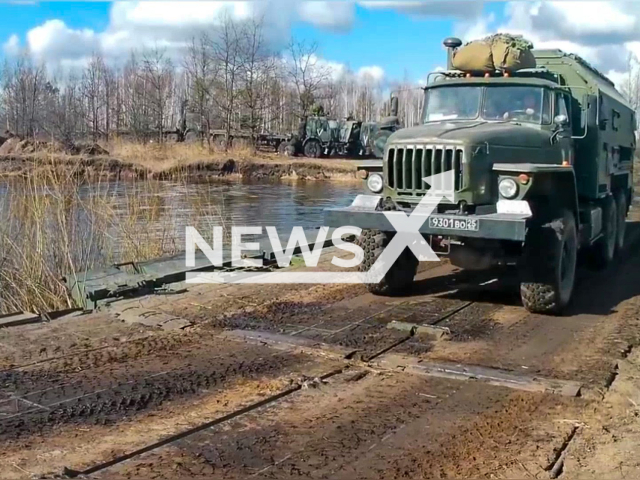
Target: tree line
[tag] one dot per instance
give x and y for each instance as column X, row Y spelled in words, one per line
column 227, row 80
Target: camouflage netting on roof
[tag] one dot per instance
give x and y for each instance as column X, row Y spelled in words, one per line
column 502, row 52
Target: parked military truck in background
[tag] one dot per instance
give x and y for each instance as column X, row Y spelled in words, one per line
column 542, row 167
column 243, row 138
column 319, row 136
column 191, row 129
column 374, row 135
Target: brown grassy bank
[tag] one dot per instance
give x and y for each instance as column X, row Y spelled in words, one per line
column 165, row 162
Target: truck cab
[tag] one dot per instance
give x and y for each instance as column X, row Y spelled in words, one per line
column 538, row 165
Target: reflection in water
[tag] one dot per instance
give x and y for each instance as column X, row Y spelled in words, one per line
column 51, row 227
column 157, row 212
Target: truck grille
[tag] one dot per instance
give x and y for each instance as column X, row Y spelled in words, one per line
column 407, row 166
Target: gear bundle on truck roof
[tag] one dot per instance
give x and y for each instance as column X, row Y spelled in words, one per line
column 541, row 166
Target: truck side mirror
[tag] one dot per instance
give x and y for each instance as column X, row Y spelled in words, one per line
column 561, row 120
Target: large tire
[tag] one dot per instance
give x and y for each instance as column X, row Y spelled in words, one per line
column 220, row 142
column 312, row 149
column 621, row 211
column 549, row 265
column 172, row 138
column 401, row 274
column 191, row 137
column 603, row 251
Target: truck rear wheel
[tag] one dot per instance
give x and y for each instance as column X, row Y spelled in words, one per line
column 603, row 251
column 621, row 210
column 312, row 149
column 399, row 277
column 191, row 137
column 549, row 265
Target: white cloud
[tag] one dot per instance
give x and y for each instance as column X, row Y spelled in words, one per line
column 429, row 8
column 371, row 74
column 176, row 14
column 172, row 24
column 53, row 39
column 336, row 70
column 332, row 15
column 12, row 45
column 479, row 28
column 601, row 32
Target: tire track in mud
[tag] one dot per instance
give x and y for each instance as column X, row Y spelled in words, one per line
column 112, row 353
column 392, row 339
column 356, row 426
column 102, row 398
column 291, row 440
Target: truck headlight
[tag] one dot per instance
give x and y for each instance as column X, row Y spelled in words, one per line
column 375, row 183
column 508, row 188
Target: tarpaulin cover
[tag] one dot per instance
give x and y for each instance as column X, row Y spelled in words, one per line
column 502, row 52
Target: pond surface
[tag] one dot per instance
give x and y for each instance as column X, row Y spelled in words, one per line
column 248, row 203
column 146, row 219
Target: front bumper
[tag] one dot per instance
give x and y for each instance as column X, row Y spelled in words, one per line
column 363, row 213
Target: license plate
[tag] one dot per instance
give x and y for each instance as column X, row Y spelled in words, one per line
column 451, row 223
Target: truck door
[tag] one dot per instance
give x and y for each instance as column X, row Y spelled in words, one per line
column 563, row 138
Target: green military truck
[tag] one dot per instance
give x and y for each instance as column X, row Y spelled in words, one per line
column 542, row 161
column 319, row 136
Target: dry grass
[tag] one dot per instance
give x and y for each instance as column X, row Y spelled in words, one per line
column 54, row 223
column 158, row 157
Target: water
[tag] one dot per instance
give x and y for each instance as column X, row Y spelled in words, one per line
column 251, row 203
column 147, row 219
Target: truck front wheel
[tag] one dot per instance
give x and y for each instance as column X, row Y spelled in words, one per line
column 399, row 277
column 549, row 265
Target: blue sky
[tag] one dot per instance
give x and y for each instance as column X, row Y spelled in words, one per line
column 402, row 38
column 400, row 43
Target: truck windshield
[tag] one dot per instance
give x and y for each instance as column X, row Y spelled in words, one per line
column 520, row 103
column 452, row 103
column 505, row 103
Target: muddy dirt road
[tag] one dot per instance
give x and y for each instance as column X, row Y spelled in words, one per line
column 329, row 382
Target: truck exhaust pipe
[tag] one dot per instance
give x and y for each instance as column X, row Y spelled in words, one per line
column 451, row 44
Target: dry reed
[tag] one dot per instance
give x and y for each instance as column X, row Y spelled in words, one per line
column 55, row 223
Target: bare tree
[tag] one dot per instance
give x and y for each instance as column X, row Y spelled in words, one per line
column 256, row 69
column 227, row 55
column 630, row 86
column 306, row 72
column 22, row 95
column 92, row 91
column 134, row 102
column 230, row 80
column 199, row 67
column 158, row 77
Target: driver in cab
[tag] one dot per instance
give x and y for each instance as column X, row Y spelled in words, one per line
column 528, row 109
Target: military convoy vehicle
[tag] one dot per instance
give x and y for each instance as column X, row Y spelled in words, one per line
column 319, row 136
column 190, row 130
column 542, row 161
column 374, row 135
column 243, row 138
